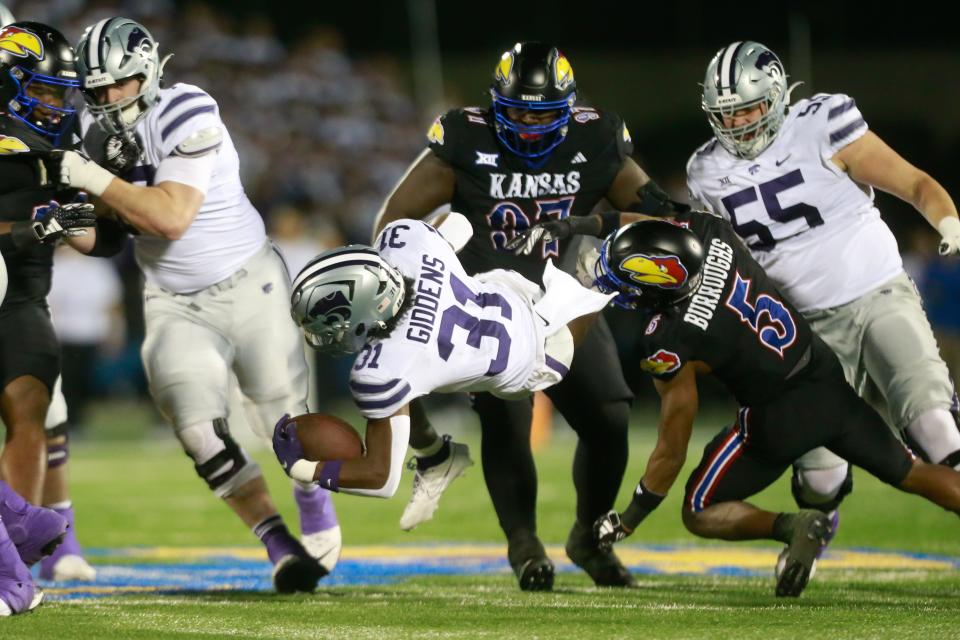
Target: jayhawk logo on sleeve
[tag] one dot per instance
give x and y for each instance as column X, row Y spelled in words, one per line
column 10, row 145
column 626, row 134
column 435, row 133
column 661, row 363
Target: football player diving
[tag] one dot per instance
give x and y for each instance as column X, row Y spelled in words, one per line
column 532, row 155
column 421, row 325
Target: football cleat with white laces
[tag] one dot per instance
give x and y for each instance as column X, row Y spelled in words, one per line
column 325, row 546
column 430, row 483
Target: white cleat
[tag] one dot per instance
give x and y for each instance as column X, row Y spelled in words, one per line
column 325, row 546
column 73, row 567
column 429, row 485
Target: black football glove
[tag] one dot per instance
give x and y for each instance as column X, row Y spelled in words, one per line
column 54, row 223
column 121, row 152
column 609, row 528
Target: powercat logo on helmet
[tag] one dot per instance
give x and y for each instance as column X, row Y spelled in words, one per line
column 21, row 43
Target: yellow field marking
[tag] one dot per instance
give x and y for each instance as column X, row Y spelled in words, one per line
column 662, row 559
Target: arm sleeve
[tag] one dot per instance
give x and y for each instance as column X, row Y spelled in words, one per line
column 111, row 238
column 194, row 172
column 399, row 437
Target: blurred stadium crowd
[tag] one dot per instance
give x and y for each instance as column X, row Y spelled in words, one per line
column 322, row 136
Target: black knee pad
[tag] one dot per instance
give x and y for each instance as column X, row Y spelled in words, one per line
column 215, row 471
column 845, row 488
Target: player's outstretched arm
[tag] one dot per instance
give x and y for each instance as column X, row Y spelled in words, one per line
column 375, row 474
column 427, row 185
column 679, row 402
column 869, row 160
column 165, row 209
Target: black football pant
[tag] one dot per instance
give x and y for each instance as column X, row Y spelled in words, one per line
column 595, row 399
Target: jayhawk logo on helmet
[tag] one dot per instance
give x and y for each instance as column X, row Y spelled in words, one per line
column 660, row 363
column 562, row 73
column 10, row 145
column 504, row 67
column 21, row 43
column 666, row 272
column 435, row 133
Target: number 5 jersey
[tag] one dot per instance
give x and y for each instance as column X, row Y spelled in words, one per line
column 736, row 321
column 813, row 229
column 495, row 331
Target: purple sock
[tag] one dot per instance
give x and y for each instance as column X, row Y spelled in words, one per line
column 278, row 541
column 70, row 544
column 316, row 510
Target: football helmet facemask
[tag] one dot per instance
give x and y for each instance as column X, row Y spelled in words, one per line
column 743, row 75
column 343, row 295
column 650, row 264
column 535, row 77
column 38, row 78
column 112, row 50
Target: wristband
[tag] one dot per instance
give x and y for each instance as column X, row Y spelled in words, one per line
column 949, row 226
column 303, row 470
column 610, row 222
column 583, row 225
column 330, row 475
column 25, row 233
column 641, row 505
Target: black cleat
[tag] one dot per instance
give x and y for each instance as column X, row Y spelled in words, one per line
column 603, row 566
column 295, row 572
column 809, row 535
column 530, row 563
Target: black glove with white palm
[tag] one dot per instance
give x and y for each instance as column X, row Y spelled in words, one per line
column 54, row 222
column 524, row 242
column 609, row 529
column 613, row 527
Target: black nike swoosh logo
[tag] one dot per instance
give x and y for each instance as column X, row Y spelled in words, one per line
column 545, row 321
column 780, row 162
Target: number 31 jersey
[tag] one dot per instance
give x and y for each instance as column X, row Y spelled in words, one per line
column 460, row 334
column 813, row 229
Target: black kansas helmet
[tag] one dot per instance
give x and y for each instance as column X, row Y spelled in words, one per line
column 535, row 77
column 38, row 78
column 650, row 263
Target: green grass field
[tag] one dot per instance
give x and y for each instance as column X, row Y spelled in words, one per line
column 133, row 487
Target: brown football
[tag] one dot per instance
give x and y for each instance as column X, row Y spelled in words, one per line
column 326, row 437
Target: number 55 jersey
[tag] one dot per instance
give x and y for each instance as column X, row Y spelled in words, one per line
column 494, row 331
column 813, row 229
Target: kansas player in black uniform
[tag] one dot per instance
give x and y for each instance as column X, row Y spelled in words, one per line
column 707, row 307
column 36, row 78
column 535, row 156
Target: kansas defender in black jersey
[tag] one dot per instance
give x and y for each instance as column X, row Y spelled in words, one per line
column 37, row 76
column 534, row 155
column 707, row 307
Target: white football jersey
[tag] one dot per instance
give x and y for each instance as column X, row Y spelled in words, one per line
column 812, row 228
column 227, row 231
column 461, row 334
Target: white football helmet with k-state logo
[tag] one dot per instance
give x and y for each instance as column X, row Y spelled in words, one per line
column 740, row 76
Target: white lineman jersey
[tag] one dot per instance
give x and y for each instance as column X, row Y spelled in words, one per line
column 228, row 230
column 812, row 228
column 460, row 334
